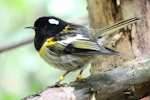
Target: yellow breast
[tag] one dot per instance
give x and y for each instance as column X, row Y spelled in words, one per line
column 48, row 42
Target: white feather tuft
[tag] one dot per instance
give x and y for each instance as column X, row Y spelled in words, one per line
column 53, row 21
column 71, row 39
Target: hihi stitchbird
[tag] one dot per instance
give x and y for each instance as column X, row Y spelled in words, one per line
column 69, row 46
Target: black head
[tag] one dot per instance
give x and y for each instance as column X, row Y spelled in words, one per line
column 47, row 27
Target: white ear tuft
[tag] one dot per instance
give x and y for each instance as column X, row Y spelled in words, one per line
column 53, row 21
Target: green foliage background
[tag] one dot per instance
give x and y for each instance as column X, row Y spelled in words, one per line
column 22, row 71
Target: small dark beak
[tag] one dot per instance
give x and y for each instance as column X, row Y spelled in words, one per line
column 32, row 27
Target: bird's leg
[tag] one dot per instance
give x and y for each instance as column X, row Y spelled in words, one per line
column 61, row 78
column 79, row 76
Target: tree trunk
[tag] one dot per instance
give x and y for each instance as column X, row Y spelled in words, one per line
column 134, row 41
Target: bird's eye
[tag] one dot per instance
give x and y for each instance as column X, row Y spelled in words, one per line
column 45, row 27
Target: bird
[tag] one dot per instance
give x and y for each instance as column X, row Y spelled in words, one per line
column 70, row 47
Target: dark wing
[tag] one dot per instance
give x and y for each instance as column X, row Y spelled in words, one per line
column 79, row 44
column 87, row 47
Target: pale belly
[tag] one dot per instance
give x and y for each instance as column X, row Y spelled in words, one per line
column 66, row 62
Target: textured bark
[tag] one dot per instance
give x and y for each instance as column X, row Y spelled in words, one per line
column 134, row 41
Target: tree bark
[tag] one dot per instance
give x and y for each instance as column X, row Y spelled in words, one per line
column 134, row 41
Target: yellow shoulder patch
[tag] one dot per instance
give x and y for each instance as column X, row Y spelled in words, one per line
column 65, row 29
column 48, row 42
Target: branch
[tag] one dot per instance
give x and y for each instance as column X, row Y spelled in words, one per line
column 129, row 81
column 16, row 44
column 81, row 21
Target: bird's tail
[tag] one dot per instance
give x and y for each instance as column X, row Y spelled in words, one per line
column 104, row 34
column 108, row 51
